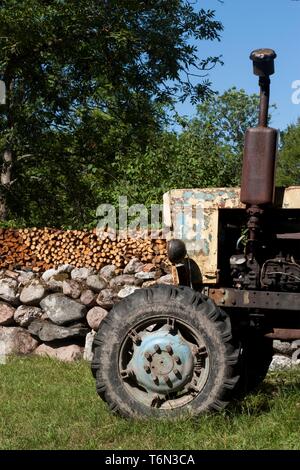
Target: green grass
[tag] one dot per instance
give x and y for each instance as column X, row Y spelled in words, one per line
column 47, row 404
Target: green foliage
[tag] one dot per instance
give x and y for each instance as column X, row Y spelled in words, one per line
column 86, row 84
column 288, row 168
column 207, row 153
column 47, row 404
column 221, row 123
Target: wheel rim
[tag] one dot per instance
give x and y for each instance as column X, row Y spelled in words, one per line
column 163, row 362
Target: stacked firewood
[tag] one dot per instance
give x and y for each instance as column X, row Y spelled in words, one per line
column 41, row 249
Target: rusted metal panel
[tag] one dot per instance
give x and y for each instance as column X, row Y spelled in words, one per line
column 251, row 299
column 258, row 174
column 291, row 198
column 284, row 334
column 193, row 216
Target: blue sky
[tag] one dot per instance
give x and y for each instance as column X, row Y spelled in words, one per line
column 248, row 25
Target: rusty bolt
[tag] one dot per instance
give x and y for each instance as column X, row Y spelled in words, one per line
column 201, row 351
column 156, row 401
column 157, row 348
column 177, row 359
column 137, row 340
column 167, row 380
column 169, row 349
column 127, row 373
column 148, row 356
column 192, row 388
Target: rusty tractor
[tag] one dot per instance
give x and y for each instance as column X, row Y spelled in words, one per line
column 193, row 346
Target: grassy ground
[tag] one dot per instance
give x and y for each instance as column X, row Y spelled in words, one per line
column 47, row 404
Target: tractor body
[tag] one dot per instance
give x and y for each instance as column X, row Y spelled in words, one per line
column 193, row 346
column 212, row 223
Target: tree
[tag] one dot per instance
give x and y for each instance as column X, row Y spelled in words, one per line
column 99, row 73
column 220, row 125
column 207, row 153
column 288, row 167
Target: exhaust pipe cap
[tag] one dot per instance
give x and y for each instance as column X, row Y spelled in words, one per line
column 263, row 62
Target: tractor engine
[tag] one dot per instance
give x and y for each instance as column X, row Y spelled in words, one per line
column 269, row 263
column 281, row 273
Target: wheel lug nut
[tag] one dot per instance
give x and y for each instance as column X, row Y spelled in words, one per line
column 177, row 359
column 199, row 351
column 147, row 368
column 177, row 373
column 127, row 373
column 168, row 381
column 156, row 401
column 169, row 349
column 157, row 348
column 148, row 356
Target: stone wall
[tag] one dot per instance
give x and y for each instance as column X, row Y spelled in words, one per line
column 57, row 313
column 286, row 354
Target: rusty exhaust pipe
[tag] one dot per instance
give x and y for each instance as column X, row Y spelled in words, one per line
column 258, row 175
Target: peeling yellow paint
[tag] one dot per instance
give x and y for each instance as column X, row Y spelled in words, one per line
column 193, row 216
column 246, row 298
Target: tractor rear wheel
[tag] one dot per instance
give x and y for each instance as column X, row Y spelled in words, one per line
column 164, row 351
column 255, row 359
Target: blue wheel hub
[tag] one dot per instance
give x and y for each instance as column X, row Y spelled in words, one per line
column 162, row 362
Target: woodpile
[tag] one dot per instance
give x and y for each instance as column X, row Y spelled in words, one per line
column 45, row 248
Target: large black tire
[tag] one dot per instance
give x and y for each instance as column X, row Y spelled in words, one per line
column 192, row 319
column 255, row 359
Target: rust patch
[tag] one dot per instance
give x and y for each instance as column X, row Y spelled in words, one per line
column 192, row 215
column 284, row 334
